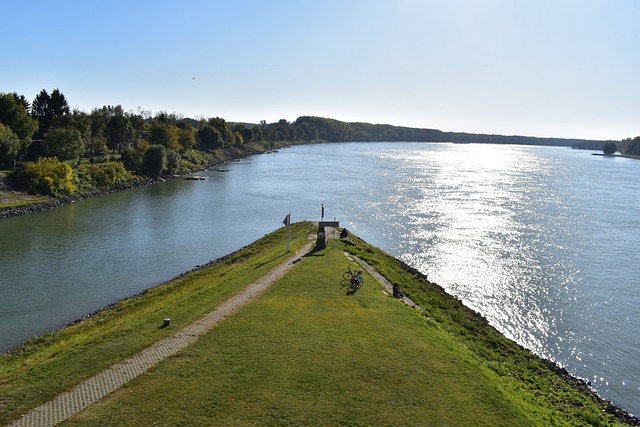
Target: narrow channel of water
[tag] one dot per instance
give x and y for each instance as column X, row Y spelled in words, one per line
column 540, row 240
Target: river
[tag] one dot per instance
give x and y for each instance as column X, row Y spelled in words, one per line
column 541, row 240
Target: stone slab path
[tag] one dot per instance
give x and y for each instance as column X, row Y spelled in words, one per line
column 383, row 281
column 95, row 388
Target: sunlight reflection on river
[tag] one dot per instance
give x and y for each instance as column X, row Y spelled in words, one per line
column 521, row 238
column 469, row 209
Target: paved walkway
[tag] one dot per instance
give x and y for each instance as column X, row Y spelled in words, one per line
column 95, row 388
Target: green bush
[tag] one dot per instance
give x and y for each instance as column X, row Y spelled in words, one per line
column 103, row 174
column 154, row 160
column 173, row 160
column 47, row 176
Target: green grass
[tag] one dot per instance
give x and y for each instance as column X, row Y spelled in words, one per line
column 307, row 353
column 10, row 201
column 304, row 353
column 51, row 363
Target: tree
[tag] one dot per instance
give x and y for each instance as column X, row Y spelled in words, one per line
column 137, row 127
column 9, row 145
column 247, row 134
column 258, row 134
column 118, row 132
column 99, row 119
column 96, row 145
column 610, row 148
column 236, row 138
column 47, row 108
column 129, row 159
column 173, row 160
column 154, row 160
column 223, row 128
column 65, row 144
column 210, row 138
column 14, row 115
column 58, row 104
column 187, row 137
column 22, row 100
column 164, row 134
column 132, row 157
column 40, row 112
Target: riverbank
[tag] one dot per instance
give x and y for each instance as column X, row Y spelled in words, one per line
column 304, row 353
column 625, row 156
column 16, row 203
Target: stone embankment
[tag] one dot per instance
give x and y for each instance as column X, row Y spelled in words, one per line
column 65, row 200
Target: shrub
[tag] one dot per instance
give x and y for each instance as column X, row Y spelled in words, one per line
column 173, row 160
column 154, row 160
column 104, row 174
column 47, row 176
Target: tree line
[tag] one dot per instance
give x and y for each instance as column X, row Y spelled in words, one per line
column 45, row 131
column 50, row 141
column 336, row 131
column 48, row 127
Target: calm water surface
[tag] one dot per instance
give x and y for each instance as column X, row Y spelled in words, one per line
column 540, row 240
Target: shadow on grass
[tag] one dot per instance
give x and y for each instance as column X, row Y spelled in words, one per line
column 271, row 260
column 318, row 250
column 352, row 292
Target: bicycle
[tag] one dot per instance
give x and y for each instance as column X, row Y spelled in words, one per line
column 352, row 279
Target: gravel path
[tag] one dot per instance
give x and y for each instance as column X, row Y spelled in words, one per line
column 95, row 388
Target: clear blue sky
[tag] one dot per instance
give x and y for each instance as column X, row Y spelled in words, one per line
column 567, row 68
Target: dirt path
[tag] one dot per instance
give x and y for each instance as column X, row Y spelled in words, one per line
column 95, row 388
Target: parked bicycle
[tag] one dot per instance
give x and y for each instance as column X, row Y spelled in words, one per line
column 352, row 279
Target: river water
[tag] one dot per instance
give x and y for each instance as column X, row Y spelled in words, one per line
column 541, row 240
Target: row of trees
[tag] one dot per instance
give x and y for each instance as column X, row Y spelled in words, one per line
column 47, row 127
column 49, row 141
column 631, row 146
column 336, row 131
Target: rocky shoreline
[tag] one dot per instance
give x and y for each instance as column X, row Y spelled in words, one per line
column 65, row 200
column 229, row 154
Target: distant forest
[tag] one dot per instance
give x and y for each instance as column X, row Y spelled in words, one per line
column 336, row 131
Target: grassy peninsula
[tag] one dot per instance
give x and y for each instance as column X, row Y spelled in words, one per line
column 303, row 353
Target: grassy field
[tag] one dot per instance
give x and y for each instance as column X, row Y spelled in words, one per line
column 14, row 199
column 304, row 353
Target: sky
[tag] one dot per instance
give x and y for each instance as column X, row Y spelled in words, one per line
column 548, row 68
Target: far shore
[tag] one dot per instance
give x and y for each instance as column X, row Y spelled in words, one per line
column 29, row 207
